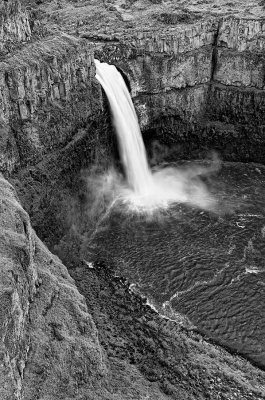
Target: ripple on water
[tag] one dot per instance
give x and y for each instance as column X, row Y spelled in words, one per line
column 206, row 266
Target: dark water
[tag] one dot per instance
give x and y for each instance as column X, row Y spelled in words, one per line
column 208, row 267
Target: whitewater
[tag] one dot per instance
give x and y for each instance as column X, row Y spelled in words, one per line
column 144, row 189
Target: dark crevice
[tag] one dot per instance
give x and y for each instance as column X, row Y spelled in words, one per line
column 125, row 78
column 50, row 304
column 215, row 51
column 99, row 38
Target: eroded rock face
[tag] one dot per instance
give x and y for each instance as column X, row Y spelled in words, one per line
column 163, row 67
column 236, row 101
column 14, row 25
column 203, row 84
column 49, row 343
column 46, row 94
column 193, row 80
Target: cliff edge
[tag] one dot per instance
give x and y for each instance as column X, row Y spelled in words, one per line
column 196, row 74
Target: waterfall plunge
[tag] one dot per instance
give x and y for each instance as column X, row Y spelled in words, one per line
column 145, row 190
column 132, row 150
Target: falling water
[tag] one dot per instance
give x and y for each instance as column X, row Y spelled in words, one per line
column 131, row 144
column 146, row 189
column 184, row 258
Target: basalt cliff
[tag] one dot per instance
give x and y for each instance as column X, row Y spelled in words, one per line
column 196, row 75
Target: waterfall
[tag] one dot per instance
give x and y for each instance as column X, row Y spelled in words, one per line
column 131, row 145
column 146, row 189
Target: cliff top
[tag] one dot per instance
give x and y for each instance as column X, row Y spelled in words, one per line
column 115, row 20
column 112, row 19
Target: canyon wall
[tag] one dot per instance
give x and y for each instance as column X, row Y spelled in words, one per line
column 236, row 101
column 196, row 89
column 201, row 88
column 14, row 25
column 162, row 69
column 190, row 93
column 48, row 338
column 47, row 89
column 46, row 95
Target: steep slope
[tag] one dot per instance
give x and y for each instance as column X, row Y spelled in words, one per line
column 52, row 349
column 46, row 96
column 14, row 25
column 47, row 334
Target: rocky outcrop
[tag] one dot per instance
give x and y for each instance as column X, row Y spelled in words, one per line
column 46, row 94
column 14, row 25
column 236, row 100
column 197, row 86
column 163, row 67
column 49, row 343
column 203, row 84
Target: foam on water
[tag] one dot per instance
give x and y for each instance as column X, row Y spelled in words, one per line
column 143, row 189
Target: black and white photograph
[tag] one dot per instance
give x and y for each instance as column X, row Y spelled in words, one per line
column 132, row 200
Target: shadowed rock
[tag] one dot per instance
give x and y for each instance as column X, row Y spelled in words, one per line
column 49, row 341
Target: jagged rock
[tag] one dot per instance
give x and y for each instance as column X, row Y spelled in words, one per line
column 242, row 34
column 210, row 74
column 49, row 343
column 240, row 55
column 14, row 25
column 46, row 94
column 175, row 71
column 50, row 348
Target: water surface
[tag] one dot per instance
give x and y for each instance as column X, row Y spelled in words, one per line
column 207, row 266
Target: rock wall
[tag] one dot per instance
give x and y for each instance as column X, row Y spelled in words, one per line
column 14, row 25
column 205, row 82
column 48, row 339
column 46, row 94
column 163, row 67
column 196, row 88
column 236, row 101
